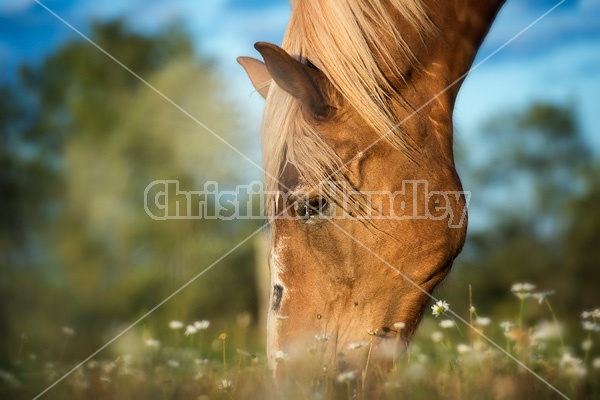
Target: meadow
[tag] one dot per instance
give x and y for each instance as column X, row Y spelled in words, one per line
column 80, row 259
column 446, row 360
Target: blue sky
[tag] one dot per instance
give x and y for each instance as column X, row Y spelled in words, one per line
column 558, row 59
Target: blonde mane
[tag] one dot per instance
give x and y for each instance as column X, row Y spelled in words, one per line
column 343, row 39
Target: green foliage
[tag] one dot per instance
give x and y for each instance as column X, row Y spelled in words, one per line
column 82, row 147
column 446, row 361
column 537, row 188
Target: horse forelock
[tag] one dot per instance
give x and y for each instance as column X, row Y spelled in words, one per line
column 343, row 40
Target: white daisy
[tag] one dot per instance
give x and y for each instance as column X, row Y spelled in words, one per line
column 280, row 356
column 175, row 324
column 446, row 324
column 357, row 345
column 202, row 325
column 190, row 330
column 439, row 308
column 346, row 376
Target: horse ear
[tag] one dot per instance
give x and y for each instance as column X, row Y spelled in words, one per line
column 258, row 74
column 301, row 81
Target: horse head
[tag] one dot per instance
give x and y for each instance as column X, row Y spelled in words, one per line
column 367, row 209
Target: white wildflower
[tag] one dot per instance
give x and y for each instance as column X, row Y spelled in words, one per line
column 152, row 343
column 522, row 287
column 323, row 337
column 507, row 326
column 357, row 345
column 593, row 314
column 225, row 384
column 437, row 336
column 280, row 356
column 541, row 296
column 572, row 366
column 202, row 325
column 596, row 363
column 346, row 377
column 482, row 321
column 399, row 325
column 190, row 330
column 472, row 309
column 173, row 363
column 175, row 324
column 439, row 308
column 590, row 326
column 447, row 323
column 522, row 290
column 463, row 349
column 545, row 331
column 567, row 360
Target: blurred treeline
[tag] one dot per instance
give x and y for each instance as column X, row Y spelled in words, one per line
column 535, row 180
column 82, row 138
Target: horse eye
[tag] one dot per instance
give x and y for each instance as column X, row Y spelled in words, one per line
column 311, row 209
column 316, row 207
column 302, row 210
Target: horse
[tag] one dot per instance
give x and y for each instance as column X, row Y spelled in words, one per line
column 366, row 208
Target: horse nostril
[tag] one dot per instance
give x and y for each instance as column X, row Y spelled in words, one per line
column 277, row 294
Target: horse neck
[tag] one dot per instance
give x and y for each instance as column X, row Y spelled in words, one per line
column 461, row 27
column 443, row 59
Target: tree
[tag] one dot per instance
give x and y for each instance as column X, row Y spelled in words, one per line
column 536, row 185
column 97, row 137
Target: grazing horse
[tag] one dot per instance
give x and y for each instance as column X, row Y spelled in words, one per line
column 367, row 210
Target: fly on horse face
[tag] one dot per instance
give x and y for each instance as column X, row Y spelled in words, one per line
column 367, row 210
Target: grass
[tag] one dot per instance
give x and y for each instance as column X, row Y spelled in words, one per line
column 445, row 360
